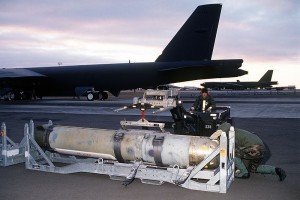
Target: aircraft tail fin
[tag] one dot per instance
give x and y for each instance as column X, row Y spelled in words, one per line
column 267, row 77
column 195, row 40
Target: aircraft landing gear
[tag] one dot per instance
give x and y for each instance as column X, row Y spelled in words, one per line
column 91, row 96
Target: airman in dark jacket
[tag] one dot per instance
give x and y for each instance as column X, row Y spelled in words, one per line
column 204, row 102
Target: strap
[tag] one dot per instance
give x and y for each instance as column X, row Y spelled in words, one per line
column 118, row 137
column 157, row 147
column 46, row 137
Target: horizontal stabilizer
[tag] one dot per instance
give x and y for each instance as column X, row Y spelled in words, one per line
column 217, row 64
column 194, row 70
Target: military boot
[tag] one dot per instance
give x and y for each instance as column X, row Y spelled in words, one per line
column 268, row 169
column 281, row 173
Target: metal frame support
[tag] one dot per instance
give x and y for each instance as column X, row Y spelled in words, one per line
column 221, row 180
column 193, row 177
column 143, row 123
column 11, row 152
column 14, row 153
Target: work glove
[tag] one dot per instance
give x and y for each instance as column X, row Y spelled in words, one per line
column 216, row 135
column 209, row 109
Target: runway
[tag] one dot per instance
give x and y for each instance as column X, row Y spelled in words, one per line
column 277, row 122
column 240, row 107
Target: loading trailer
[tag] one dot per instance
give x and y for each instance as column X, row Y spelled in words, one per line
column 197, row 177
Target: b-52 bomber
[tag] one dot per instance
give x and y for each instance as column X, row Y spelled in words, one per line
column 187, row 57
column 265, row 82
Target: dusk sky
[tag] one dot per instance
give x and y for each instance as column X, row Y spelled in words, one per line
column 264, row 33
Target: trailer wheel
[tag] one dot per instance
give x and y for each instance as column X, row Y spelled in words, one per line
column 90, row 96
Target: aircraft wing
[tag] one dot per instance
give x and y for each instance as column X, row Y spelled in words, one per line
column 18, row 73
column 226, row 85
column 233, row 84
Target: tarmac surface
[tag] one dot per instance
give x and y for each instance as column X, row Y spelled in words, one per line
column 276, row 120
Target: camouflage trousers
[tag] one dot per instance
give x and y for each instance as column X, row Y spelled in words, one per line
column 251, row 156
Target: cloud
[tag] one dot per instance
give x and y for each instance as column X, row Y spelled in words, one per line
column 261, row 30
